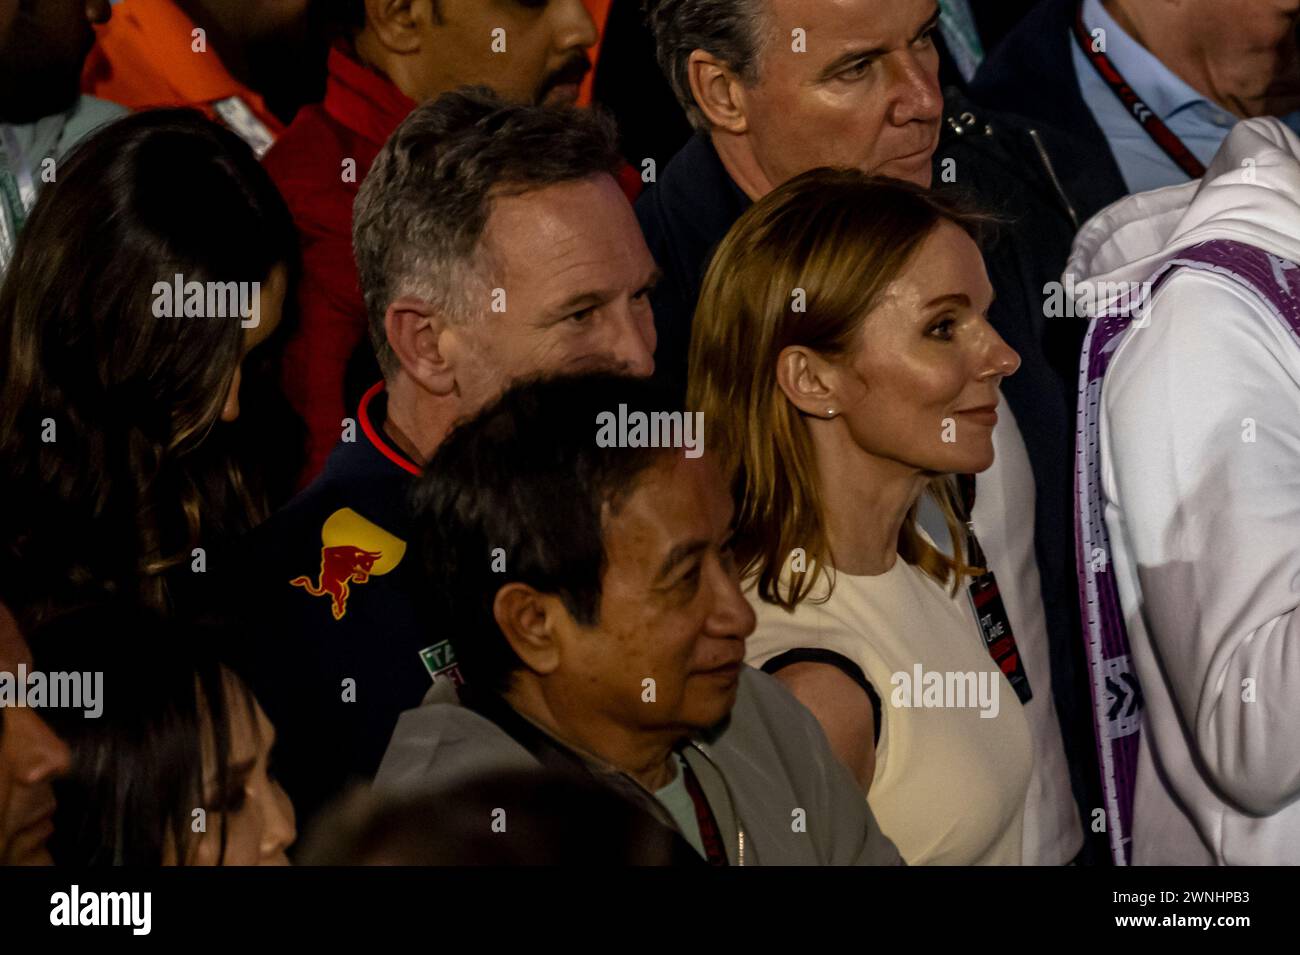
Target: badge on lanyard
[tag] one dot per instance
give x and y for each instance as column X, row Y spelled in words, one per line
column 990, row 612
column 241, row 120
column 440, row 661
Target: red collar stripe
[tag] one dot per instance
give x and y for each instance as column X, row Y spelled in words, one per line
column 377, row 439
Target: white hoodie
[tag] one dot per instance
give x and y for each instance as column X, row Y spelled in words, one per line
column 1200, row 448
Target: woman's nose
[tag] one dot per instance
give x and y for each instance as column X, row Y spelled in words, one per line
column 1000, row 359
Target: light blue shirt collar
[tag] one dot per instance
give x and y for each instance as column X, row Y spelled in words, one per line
column 1160, row 88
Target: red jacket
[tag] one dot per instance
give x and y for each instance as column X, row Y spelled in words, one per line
column 360, row 110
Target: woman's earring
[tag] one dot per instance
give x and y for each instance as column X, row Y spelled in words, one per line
column 830, row 412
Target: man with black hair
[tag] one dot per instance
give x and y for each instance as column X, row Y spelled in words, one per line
column 550, row 818
column 585, row 574
column 492, row 243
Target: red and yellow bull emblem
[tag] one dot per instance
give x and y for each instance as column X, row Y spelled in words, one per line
column 355, row 549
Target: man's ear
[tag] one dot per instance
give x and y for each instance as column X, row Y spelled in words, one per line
column 420, row 337
column 396, row 23
column 529, row 619
column 808, row 380
column 718, row 92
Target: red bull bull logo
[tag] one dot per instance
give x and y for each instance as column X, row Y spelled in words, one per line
column 355, row 550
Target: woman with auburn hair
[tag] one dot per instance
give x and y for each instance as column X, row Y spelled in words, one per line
column 120, row 433
column 844, row 363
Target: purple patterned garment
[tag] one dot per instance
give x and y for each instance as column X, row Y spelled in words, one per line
column 1116, row 696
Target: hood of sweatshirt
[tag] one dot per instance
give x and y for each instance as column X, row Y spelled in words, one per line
column 1250, row 193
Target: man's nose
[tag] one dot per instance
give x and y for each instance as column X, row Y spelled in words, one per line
column 634, row 348
column 732, row 614
column 576, row 28
column 917, row 96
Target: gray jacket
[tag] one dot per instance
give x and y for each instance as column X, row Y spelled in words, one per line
column 779, row 795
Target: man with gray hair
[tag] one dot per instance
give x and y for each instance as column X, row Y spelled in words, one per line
column 777, row 87
column 492, row 243
column 389, row 56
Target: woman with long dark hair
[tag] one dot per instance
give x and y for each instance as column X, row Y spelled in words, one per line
column 146, row 274
column 175, row 767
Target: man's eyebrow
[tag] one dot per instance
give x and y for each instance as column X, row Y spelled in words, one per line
column 869, row 53
column 593, row 297
column 587, row 299
column 930, row 24
column 678, row 554
column 847, row 58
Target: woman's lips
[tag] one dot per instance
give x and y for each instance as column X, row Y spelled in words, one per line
column 38, row 831
column 986, row 416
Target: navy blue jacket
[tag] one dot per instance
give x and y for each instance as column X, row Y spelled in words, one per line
column 683, row 217
column 1031, row 73
column 331, row 589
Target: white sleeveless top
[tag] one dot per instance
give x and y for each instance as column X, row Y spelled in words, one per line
column 950, row 784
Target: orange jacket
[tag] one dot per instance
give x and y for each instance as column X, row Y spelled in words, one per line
column 145, row 58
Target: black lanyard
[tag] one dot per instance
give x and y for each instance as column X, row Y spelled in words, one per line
column 1160, row 134
column 966, row 487
column 986, row 602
